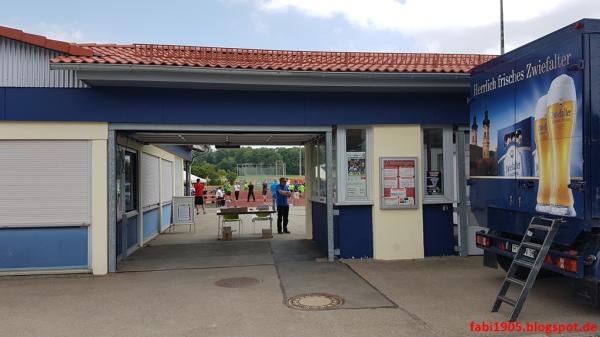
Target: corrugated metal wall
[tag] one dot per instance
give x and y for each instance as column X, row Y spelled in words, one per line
column 28, row 66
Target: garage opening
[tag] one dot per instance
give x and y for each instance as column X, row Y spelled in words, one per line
column 148, row 167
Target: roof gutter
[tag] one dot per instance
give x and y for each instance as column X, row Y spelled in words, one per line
column 223, row 78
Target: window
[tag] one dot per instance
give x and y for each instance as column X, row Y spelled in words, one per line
column 127, row 189
column 438, row 165
column 434, row 160
column 354, row 165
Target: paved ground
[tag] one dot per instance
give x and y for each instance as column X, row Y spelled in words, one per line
column 436, row 297
column 177, row 296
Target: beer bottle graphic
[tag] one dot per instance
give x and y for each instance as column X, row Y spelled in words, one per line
column 562, row 111
column 544, row 156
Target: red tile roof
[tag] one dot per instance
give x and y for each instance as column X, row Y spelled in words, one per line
column 258, row 59
column 261, row 59
column 41, row 41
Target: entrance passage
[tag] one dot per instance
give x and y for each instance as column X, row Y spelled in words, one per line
column 141, row 237
column 180, row 248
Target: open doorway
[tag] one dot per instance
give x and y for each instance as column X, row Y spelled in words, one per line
column 144, row 238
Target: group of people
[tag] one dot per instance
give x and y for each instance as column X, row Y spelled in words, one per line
column 280, row 192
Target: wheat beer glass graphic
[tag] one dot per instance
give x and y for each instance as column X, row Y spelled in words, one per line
column 562, row 112
column 544, row 156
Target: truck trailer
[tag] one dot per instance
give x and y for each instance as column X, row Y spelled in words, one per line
column 535, row 152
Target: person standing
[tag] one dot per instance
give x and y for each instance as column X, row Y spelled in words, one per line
column 199, row 196
column 283, row 208
column 220, row 195
column 251, row 191
column 274, row 185
column 236, row 190
column 265, row 187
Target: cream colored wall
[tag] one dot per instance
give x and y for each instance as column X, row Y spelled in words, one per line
column 99, row 207
column 397, row 233
column 97, row 133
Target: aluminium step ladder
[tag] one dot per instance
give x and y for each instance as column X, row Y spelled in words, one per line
column 523, row 259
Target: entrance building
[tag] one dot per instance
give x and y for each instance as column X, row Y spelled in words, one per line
column 89, row 133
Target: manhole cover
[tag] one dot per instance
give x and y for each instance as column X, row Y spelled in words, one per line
column 315, row 301
column 237, row 282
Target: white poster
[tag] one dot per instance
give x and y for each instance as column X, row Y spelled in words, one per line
column 356, row 181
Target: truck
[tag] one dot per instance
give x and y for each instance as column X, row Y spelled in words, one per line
column 535, row 152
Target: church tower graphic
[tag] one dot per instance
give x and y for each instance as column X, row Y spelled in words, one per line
column 474, row 127
column 486, row 135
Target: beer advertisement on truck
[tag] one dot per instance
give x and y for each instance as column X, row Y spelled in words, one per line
column 527, row 123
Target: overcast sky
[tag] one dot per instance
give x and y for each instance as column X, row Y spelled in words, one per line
column 454, row 26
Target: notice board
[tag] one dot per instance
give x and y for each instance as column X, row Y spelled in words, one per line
column 398, row 182
column 183, row 210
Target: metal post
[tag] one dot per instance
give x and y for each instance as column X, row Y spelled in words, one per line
column 463, row 202
column 300, row 162
column 188, row 178
column 501, row 27
column 329, row 173
column 112, row 201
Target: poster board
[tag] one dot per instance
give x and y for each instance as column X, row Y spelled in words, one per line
column 356, row 178
column 183, row 210
column 398, row 182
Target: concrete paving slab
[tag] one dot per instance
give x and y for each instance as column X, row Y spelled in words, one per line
column 449, row 293
column 200, row 255
column 178, row 303
column 295, row 250
column 332, row 278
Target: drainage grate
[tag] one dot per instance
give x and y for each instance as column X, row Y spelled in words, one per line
column 315, row 301
column 237, row 282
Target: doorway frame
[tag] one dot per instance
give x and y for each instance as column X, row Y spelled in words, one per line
column 114, row 128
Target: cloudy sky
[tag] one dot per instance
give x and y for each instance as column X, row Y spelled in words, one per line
column 456, row 26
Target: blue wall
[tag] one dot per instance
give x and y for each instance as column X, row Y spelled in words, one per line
column 63, row 248
column 151, row 223
column 355, row 231
column 184, row 106
column 352, row 230
column 438, row 230
column 319, row 224
column 166, row 216
column 132, row 233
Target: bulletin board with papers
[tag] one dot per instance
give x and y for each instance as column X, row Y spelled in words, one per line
column 398, row 185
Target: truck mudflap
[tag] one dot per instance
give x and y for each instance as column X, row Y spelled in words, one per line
column 555, row 261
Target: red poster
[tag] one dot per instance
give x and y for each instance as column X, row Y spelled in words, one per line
column 398, row 183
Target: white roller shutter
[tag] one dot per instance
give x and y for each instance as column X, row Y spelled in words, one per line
column 166, row 171
column 45, row 183
column 178, row 178
column 150, row 180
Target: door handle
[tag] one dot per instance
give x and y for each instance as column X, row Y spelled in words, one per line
column 519, row 201
column 510, row 200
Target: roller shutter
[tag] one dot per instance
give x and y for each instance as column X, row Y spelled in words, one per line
column 150, row 180
column 45, row 183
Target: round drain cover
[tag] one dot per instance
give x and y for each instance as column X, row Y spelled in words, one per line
column 237, row 282
column 315, row 301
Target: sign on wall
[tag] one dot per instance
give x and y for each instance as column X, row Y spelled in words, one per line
column 398, row 182
column 356, row 183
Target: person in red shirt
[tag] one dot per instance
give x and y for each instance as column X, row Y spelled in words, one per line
column 199, row 196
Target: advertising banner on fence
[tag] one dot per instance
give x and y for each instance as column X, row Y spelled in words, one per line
column 527, row 123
